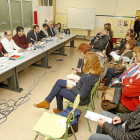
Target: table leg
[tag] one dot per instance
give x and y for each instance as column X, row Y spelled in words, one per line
column 71, row 44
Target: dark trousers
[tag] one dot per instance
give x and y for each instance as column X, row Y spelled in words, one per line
column 59, row 91
column 110, row 74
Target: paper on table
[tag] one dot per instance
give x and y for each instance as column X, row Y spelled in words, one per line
column 3, row 59
column 42, row 43
column 11, row 54
column 63, row 123
column 73, row 83
column 95, row 116
column 3, row 66
column 114, row 55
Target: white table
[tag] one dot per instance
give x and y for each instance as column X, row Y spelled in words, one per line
column 14, row 66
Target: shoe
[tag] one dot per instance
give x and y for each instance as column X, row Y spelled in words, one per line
column 43, row 104
column 55, row 110
column 103, row 88
column 103, row 81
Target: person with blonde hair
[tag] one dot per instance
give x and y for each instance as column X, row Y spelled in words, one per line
column 64, row 89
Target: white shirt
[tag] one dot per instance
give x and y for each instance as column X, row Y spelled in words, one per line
column 35, row 36
column 9, row 45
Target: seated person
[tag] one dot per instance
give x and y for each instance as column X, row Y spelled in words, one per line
column 124, row 127
column 3, row 52
column 50, row 29
column 57, row 29
column 100, row 44
column 9, row 44
column 44, row 33
column 63, row 89
column 110, row 72
column 20, row 38
column 33, row 35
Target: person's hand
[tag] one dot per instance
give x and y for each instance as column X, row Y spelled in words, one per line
column 134, row 54
column 49, row 37
column 38, row 42
column 78, row 70
column 76, row 81
column 30, row 44
column 114, row 59
column 131, row 80
column 117, row 51
column 6, row 55
column 74, row 72
column 101, row 122
column 20, row 50
column 123, row 62
column 69, row 85
column 116, row 120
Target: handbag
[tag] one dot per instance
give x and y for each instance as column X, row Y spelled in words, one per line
column 118, row 68
column 110, row 98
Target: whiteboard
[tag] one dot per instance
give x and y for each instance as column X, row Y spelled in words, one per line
column 81, row 18
column 44, row 13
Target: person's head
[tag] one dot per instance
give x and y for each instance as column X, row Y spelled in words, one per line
column 8, row 34
column 51, row 24
column 83, row 48
column 92, row 64
column 45, row 26
column 58, row 25
column 129, row 36
column 105, row 26
column 20, row 31
column 139, row 18
column 129, row 31
column 33, row 26
column 36, row 29
column 130, row 44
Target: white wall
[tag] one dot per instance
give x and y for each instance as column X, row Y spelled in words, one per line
column 103, row 7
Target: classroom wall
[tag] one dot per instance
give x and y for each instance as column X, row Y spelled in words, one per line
column 26, row 30
column 125, row 9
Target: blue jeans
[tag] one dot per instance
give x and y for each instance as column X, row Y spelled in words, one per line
column 100, row 135
column 110, row 74
column 59, row 91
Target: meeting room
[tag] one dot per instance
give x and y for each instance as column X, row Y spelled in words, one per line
column 69, row 70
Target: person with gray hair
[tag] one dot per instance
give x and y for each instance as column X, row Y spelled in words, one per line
column 50, row 29
column 100, row 42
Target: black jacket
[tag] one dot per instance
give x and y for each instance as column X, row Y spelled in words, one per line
column 137, row 26
column 3, row 51
column 32, row 35
column 42, row 34
column 50, row 33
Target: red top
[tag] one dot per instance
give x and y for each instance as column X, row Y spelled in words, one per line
column 0, row 48
column 21, row 41
column 131, row 93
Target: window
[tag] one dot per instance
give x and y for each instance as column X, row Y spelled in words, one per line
column 46, row 2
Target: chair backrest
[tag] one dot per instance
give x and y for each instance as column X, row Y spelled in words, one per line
column 75, row 105
column 104, row 51
column 95, row 87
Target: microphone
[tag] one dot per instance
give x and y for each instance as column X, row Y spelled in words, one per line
column 33, row 41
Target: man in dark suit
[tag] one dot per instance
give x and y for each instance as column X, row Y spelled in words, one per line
column 33, row 35
column 50, row 29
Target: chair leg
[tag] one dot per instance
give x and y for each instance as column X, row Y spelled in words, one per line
column 93, row 106
column 36, row 136
column 88, row 121
column 73, row 132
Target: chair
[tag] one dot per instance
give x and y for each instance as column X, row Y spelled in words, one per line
column 91, row 104
column 104, row 51
column 49, row 126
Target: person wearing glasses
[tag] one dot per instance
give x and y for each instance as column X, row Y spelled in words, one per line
column 20, row 38
column 9, row 44
column 3, row 52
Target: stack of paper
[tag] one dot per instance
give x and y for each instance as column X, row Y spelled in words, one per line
column 126, row 59
column 73, row 83
column 95, row 117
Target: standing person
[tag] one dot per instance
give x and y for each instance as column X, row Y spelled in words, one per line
column 50, row 29
column 57, row 29
column 9, row 44
column 20, row 38
column 44, row 33
column 63, row 89
column 137, row 27
column 34, row 35
column 3, row 52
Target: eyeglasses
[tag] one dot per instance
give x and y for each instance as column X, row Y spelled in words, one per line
column 9, row 35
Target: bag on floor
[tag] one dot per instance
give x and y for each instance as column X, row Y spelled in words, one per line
column 110, row 98
column 119, row 69
column 74, row 124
